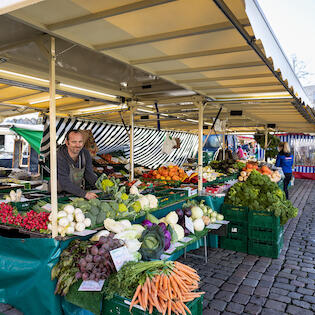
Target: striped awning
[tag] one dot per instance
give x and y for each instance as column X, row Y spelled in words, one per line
column 109, row 138
column 166, row 52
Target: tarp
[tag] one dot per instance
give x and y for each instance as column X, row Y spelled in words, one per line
column 33, row 137
column 25, row 267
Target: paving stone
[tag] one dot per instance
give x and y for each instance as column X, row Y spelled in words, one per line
column 301, row 304
column 279, row 291
column 299, row 273
column 310, row 270
column 275, row 305
column 236, row 280
column 221, row 276
column 253, row 309
column 282, row 280
column 254, row 275
column 267, row 278
column 298, row 283
column 265, row 283
column 305, row 280
column 210, row 312
column 224, row 295
column 280, row 298
column 213, row 281
column 268, row 311
column 260, row 291
column 250, row 282
column 218, row 305
column 309, row 298
column 284, row 286
column 259, row 300
column 310, row 286
column 294, row 310
column 235, row 308
column 246, row 289
column 227, row 313
column 305, row 291
column 241, row 298
column 229, row 287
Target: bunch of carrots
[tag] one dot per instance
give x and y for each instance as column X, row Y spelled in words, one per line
column 168, row 291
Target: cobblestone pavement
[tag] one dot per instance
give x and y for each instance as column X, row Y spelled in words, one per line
column 237, row 283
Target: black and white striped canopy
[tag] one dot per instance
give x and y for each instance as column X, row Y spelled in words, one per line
column 109, row 138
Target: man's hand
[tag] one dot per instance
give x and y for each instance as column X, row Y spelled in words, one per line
column 90, row 195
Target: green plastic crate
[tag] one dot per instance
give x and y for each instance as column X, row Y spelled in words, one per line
column 265, row 248
column 264, row 226
column 164, row 197
column 263, row 219
column 238, row 244
column 180, row 194
column 234, row 213
column 120, row 305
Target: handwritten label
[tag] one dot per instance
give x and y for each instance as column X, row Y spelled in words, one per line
column 120, row 256
column 84, row 233
column 213, row 226
column 90, row 285
column 189, row 224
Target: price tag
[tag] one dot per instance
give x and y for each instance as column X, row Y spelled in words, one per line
column 90, row 285
column 213, row 226
column 120, row 256
column 189, row 224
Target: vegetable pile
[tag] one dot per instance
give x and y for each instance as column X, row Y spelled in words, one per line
column 227, row 166
column 30, row 220
column 84, row 260
column 260, row 193
column 264, row 170
column 166, row 286
column 69, row 220
column 172, row 172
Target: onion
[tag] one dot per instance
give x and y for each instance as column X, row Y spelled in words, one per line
column 89, row 266
column 102, row 240
column 78, row 275
column 82, row 262
column 97, row 258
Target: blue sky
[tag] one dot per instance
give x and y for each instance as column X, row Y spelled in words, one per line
column 293, row 22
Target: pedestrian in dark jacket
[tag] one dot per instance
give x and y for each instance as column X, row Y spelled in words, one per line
column 285, row 161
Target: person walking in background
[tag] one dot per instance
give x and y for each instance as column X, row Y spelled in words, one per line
column 285, row 161
column 240, row 153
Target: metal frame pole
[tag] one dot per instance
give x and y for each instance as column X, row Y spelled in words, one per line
column 132, row 108
column 266, row 143
column 52, row 134
column 200, row 106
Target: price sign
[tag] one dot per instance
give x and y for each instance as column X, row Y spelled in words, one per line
column 90, row 285
column 120, row 256
column 189, row 224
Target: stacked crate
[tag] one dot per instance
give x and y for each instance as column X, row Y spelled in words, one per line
column 236, row 238
column 265, row 234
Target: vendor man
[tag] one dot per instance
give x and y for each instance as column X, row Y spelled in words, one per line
column 74, row 165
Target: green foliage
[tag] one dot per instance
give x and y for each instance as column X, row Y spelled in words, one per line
column 260, row 193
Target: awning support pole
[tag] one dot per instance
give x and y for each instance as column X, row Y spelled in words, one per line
column 52, row 134
column 199, row 104
column 132, row 108
column 266, row 143
column 223, row 143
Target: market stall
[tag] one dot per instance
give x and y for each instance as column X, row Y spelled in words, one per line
column 188, row 88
